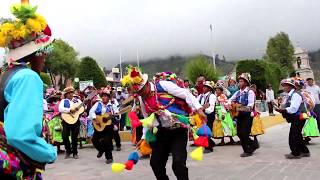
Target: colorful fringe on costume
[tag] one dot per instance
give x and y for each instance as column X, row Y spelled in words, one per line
column 14, row 164
column 132, row 159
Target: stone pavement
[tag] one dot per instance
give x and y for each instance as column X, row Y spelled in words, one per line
column 224, row 163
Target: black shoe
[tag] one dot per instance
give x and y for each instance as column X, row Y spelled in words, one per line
column 67, row 156
column 99, row 155
column 305, row 155
column 118, row 149
column 75, row 156
column 206, row 151
column 291, row 156
column 246, row 154
column 109, row 161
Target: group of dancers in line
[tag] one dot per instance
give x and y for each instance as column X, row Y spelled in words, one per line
column 163, row 111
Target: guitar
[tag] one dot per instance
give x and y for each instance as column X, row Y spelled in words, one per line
column 236, row 108
column 72, row 118
column 101, row 121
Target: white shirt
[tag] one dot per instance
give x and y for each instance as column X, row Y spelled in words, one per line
column 92, row 112
column 269, row 95
column 179, row 92
column 212, row 101
column 64, row 109
column 315, row 91
column 296, row 101
column 45, row 105
column 251, row 97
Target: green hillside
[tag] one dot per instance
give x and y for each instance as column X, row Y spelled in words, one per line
column 176, row 65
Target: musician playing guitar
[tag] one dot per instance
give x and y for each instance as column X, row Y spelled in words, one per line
column 65, row 106
column 102, row 139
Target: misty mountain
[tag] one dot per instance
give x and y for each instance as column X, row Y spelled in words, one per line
column 176, row 64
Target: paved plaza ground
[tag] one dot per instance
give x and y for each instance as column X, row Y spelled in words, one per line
column 224, row 163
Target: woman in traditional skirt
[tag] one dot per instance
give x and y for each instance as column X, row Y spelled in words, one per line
column 310, row 128
column 257, row 127
column 223, row 126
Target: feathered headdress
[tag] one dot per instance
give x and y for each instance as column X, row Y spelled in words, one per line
column 26, row 34
column 134, row 79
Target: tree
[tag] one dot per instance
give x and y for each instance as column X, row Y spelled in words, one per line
column 89, row 70
column 62, row 61
column 45, row 78
column 262, row 72
column 280, row 50
column 198, row 66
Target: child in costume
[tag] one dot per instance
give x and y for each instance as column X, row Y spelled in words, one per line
column 208, row 100
column 226, row 127
column 163, row 101
column 257, row 127
column 24, row 153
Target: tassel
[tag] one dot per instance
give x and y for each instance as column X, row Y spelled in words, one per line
column 147, row 122
column 117, row 167
column 129, row 165
column 204, row 130
column 135, row 122
column 197, row 154
column 134, row 157
column 202, row 141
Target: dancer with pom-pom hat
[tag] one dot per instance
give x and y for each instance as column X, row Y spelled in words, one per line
column 165, row 107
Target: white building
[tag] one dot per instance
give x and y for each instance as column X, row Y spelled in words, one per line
column 301, row 63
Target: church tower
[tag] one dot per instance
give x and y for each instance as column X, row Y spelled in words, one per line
column 301, row 63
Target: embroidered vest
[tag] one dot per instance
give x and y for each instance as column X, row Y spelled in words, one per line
column 179, row 106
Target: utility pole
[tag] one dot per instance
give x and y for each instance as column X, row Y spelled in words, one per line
column 211, row 40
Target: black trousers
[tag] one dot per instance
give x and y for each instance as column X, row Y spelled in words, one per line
column 73, row 130
column 139, row 133
column 116, row 137
column 296, row 143
column 102, row 141
column 174, row 141
column 244, row 124
column 211, row 117
column 270, row 107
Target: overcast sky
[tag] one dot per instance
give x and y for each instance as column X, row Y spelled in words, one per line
column 159, row 28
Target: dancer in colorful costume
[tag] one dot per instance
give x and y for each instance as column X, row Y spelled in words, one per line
column 243, row 103
column 26, row 40
column 167, row 104
column 257, row 126
column 293, row 111
column 310, row 128
column 226, row 127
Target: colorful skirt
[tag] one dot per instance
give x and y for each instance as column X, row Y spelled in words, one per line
column 55, row 129
column 15, row 164
column 217, row 129
column 310, row 128
column 257, row 126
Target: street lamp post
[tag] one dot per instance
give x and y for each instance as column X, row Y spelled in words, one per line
column 211, row 40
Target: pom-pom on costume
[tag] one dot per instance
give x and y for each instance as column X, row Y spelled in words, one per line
column 23, row 152
column 166, row 108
